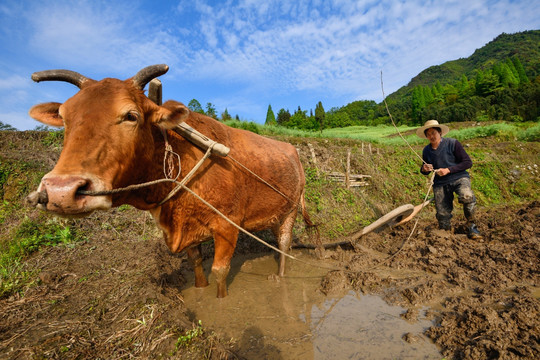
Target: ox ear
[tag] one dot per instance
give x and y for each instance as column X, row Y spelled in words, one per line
column 47, row 113
column 170, row 114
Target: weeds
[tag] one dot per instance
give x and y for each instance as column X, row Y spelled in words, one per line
column 315, row 186
column 185, row 340
column 54, row 139
column 245, row 125
column 29, row 237
column 530, row 134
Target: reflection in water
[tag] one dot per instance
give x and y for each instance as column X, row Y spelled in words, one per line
column 290, row 319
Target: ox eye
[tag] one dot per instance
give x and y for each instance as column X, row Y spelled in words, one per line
column 131, row 116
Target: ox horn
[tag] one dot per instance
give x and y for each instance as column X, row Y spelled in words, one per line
column 69, row 76
column 148, row 73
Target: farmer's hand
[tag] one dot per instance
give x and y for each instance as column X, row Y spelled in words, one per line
column 427, row 168
column 442, row 172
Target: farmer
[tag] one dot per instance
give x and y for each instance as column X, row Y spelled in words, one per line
column 449, row 160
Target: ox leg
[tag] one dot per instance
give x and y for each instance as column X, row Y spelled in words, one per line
column 283, row 233
column 195, row 258
column 224, row 243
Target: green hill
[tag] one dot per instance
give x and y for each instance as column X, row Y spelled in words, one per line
column 524, row 45
column 498, row 82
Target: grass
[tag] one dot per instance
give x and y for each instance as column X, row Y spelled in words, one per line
column 189, row 336
column 530, row 134
column 30, row 236
column 54, row 138
column 383, row 134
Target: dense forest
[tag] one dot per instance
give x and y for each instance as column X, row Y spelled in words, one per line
column 500, row 81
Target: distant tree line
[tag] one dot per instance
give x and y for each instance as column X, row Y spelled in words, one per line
column 501, row 92
column 195, row 105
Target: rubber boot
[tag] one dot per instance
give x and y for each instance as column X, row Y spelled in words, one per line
column 473, row 232
column 445, row 225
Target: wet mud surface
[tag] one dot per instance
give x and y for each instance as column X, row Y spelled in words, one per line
column 484, row 295
column 116, row 297
column 291, row 318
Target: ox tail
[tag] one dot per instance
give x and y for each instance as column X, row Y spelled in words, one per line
column 310, row 226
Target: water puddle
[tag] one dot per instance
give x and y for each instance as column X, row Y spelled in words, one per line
column 290, row 319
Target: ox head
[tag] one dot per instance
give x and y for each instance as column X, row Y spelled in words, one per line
column 108, row 141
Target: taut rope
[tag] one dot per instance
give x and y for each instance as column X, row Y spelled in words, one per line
column 430, row 180
column 182, row 185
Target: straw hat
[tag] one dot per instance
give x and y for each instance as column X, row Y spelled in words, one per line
column 431, row 124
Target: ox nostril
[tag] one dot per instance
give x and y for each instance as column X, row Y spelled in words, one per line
column 83, row 188
column 62, row 190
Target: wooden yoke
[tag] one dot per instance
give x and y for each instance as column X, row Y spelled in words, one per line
column 183, row 129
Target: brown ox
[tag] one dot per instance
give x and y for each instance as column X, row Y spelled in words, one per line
column 113, row 138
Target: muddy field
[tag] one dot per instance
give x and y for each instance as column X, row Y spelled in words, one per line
column 484, row 295
column 121, row 294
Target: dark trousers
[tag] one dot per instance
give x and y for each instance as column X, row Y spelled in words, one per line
column 444, row 200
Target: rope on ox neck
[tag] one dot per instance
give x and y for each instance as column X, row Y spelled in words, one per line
column 168, row 169
column 168, row 148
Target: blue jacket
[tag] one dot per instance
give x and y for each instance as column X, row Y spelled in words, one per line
column 450, row 154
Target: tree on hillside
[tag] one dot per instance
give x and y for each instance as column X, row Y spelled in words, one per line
column 319, row 115
column 270, row 117
column 298, row 119
column 418, row 102
column 283, row 117
column 211, row 110
column 337, row 118
column 522, row 76
column 360, row 111
column 6, row 127
column 195, row 105
column 486, row 83
column 225, row 116
column 465, row 88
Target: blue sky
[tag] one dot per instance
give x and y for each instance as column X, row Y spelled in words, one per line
column 243, row 55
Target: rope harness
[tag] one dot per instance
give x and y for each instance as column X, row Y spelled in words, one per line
column 168, row 171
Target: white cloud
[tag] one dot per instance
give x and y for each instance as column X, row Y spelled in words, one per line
column 291, row 46
column 334, row 49
column 109, row 36
column 13, row 82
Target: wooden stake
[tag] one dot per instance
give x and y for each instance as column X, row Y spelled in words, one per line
column 348, row 173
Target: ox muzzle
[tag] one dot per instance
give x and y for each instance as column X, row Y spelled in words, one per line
column 60, row 194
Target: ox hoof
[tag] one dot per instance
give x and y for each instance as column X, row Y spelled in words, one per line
column 201, row 284
column 221, row 293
